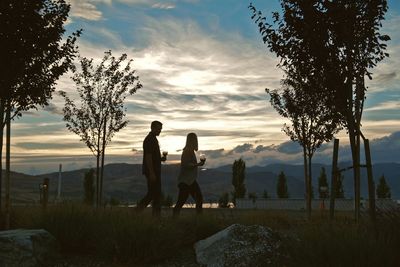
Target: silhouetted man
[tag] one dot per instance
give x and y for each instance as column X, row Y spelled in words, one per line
column 152, row 169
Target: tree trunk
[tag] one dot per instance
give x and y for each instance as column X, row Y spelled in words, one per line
column 2, row 107
column 308, row 193
column 309, row 185
column 353, row 117
column 98, row 169
column 7, row 184
column 355, row 149
column 102, row 160
column 357, row 175
column 101, row 176
column 371, row 186
column 334, row 179
column 97, row 177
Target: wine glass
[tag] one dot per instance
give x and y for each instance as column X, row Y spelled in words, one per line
column 165, row 154
column 203, row 160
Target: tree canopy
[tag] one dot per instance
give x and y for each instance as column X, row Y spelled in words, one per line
column 35, row 52
column 100, row 113
column 333, row 43
column 383, row 189
column 323, row 187
column 281, row 186
column 238, row 176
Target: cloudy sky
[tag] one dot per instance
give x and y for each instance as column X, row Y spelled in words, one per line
column 204, row 69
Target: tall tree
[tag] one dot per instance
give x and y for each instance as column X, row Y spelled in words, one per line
column 383, row 189
column 303, row 100
column 323, row 187
column 34, row 55
column 238, row 176
column 311, row 123
column 281, row 186
column 102, row 90
column 341, row 41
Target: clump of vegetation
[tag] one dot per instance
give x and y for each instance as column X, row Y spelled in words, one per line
column 223, row 201
column 119, row 235
column 281, row 186
column 238, row 177
column 345, row 244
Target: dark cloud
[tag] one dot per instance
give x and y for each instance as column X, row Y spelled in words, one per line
column 242, row 148
column 220, row 133
column 386, row 149
column 216, row 153
column 289, row 147
column 121, row 143
column 37, row 145
column 261, row 148
column 53, row 109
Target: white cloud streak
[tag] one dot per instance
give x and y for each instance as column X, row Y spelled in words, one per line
column 85, row 10
column 388, row 105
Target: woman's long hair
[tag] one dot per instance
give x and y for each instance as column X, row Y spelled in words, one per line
column 191, row 142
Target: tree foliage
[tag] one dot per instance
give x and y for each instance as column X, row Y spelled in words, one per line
column 311, row 123
column 383, row 189
column 238, row 177
column 333, row 43
column 323, row 187
column 102, row 90
column 281, row 186
column 35, row 53
column 302, row 98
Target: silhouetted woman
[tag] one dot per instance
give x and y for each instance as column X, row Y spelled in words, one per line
column 187, row 183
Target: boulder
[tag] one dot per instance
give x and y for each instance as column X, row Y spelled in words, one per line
column 239, row 245
column 26, row 248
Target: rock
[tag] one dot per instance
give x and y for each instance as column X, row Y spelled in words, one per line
column 239, row 245
column 25, row 248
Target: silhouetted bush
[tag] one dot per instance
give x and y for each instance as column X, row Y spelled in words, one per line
column 223, row 201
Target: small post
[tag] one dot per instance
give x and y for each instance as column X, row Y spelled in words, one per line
column 59, row 183
column 334, row 178
column 371, row 185
column 8, row 182
column 324, row 193
column 44, row 193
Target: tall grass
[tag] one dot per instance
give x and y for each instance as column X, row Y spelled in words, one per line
column 119, row 235
column 344, row 243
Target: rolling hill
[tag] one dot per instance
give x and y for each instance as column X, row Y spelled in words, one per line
column 126, row 183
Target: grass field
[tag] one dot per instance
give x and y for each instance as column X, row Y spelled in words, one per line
column 119, row 237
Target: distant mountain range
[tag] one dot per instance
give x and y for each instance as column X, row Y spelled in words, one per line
column 126, row 183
